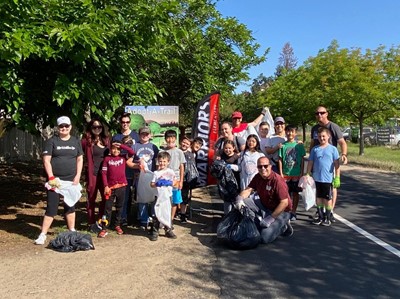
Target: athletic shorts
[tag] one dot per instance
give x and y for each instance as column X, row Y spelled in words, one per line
column 324, row 190
column 293, row 186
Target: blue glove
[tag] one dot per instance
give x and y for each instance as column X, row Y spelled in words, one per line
column 267, row 221
column 163, row 183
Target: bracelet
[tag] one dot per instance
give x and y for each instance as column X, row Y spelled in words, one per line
column 51, row 178
column 344, row 155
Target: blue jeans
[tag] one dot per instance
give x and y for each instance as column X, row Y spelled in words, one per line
column 143, row 213
column 268, row 234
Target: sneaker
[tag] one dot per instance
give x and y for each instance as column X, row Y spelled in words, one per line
column 153, row 235
column 293, row 217
column 326, row 222
column 317, row 221
column 119, row 230
column 170, row 234
column 41, row 239
column 183, row 218
column 102, row 234
column 332, row 218
column 124, row 222
column 143, row 227
column 289, row 230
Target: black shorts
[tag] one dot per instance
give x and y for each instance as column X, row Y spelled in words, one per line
column 293, row 186
column 324, row 190
column 53, row 199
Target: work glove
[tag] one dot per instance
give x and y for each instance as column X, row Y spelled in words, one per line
column 239, row 203
column 232, row 167
column 336, row 182
column 54, row 182
column 267, row 221
column 264, row 111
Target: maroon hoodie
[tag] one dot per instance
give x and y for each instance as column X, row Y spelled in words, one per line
column 113, row 171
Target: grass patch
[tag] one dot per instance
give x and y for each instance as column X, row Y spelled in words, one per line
column 381, row 157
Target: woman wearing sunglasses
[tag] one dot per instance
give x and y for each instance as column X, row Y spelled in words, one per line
column 62, row 160
column 95, row 145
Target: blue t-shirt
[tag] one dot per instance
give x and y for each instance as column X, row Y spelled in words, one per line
column 323, row 167
column 148, row 152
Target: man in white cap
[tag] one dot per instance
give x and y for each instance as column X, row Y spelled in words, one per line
column 274, row 143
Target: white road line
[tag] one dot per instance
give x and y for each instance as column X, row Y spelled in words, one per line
column 369, row 236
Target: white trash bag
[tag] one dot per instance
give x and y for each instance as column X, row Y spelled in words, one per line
column 162, row 207
column 308, row 194
column 145, row 193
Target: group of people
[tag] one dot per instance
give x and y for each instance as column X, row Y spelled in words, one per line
column 267, row 169
column 113, row 166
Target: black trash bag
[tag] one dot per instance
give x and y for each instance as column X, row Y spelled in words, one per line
column 72, row 241
column 229, row 220
column 244, row 233
column 228, row 186
column 191, row 174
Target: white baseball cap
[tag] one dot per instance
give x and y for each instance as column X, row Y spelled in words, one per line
column 63, row 120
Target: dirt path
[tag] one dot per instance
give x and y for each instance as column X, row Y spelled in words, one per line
column 129, row 266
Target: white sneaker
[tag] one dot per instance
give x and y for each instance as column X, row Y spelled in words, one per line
column 41, row 239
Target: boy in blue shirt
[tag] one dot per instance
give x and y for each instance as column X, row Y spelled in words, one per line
column 324, row 164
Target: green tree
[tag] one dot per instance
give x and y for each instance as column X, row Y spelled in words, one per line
column 83, row 57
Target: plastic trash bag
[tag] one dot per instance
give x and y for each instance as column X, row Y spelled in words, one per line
column 191, row 174
column 244, row 233
column 308, row 194
column 72, row 241
column 145, row 193
column 162, row 207
column 227, row 185
column 229, row 220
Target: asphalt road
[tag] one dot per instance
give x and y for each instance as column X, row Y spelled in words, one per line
column 340, row 261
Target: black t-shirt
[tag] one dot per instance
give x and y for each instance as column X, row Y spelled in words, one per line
column 63, row 156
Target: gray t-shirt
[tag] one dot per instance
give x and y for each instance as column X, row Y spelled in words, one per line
column 177, row 158
column 336, row 133
column 63, row 156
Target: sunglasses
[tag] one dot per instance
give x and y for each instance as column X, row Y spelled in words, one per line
column 62, row 126
column 97, row 127
column 263, row 166
column 320, row 112
column 125, row 122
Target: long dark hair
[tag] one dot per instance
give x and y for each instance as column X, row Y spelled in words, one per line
column 90, row 137
column 258, row 149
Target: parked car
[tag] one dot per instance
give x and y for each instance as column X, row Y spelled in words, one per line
column 395, row 136
column 353, row 134
column 369, row 136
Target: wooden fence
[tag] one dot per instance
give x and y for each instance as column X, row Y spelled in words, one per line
column 17, row 145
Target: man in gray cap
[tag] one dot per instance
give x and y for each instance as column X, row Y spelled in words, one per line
column 274, row 143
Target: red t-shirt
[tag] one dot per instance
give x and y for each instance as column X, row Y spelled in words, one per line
column 271, row 191
column 241, row 128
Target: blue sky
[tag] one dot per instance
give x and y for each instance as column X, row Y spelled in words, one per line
column 311, row 25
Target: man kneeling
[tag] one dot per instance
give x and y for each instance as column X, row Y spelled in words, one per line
column 272, row 206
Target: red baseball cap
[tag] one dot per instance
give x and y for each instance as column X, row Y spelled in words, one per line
column 237, row 114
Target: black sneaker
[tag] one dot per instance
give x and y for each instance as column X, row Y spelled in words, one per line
column 183, row 218
column 317, row 221
column 289, row 230
column 170, row 234
column 153, row 235
column 332, row 218
column 326, row 222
